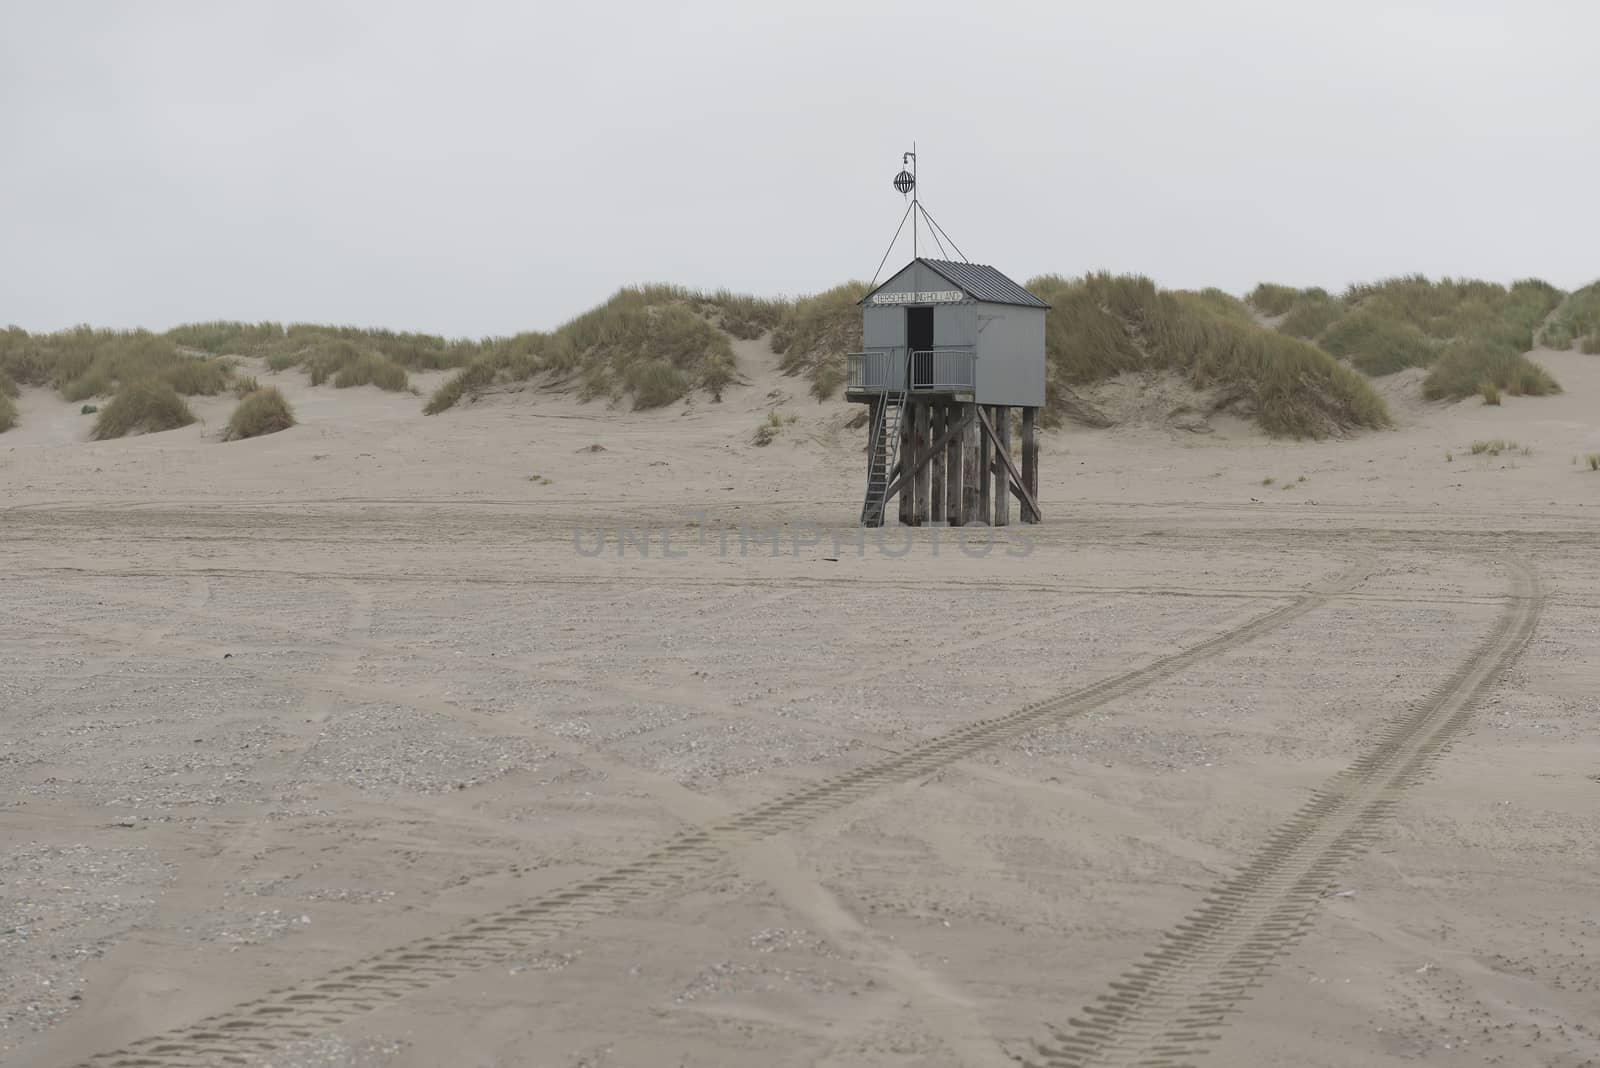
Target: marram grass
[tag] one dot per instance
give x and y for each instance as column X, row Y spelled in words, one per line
column 647, row 345
column 1452, row 326
column 262, row 411
column 145, row 407
column 1576, row 322
column 1102, row 325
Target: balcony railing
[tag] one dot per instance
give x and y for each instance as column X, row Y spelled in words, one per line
column 929, row 370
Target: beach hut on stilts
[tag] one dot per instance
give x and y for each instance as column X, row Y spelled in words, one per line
column 950, row 349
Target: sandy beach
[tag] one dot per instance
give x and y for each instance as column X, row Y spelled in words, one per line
column 542, row 734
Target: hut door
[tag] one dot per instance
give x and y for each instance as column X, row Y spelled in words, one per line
column 919, row 329
column 919, row 338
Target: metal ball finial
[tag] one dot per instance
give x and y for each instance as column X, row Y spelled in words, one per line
column 904, row 182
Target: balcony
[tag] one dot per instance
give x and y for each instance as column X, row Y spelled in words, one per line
column 930, row 371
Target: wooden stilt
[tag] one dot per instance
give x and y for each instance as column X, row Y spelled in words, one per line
column 920, row 469
column 1030, row 460
column 1005, row 466
column 984, row 480
column 954, row 414
column 1002, row 475
column 908, row 456
column 973, row 445
column 969, row 466
column 903, row 478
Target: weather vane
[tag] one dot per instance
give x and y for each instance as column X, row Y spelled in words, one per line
column 906, row 181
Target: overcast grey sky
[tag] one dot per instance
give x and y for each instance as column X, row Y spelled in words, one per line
column 482, row 168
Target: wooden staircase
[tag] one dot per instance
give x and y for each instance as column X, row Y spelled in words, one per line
column 883, row 452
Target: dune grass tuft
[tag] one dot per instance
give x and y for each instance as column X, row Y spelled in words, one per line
column 1461, row 308
column 346, row 356
column 1301, row 313
column 224, row 338
column 1594, row 461
column 1312, row 316
column 650, row 344
column 145, row 407
column 1387, row 326
column 262, row 411
column 1225, row 304
column 771, row 427
column 513, row 359
column 1270, row 299
column 471, row 380
column 816, row 334
column 1101, row 325
column 1377, row 345
column 300, row 343
column 8, row 405
column 1466, row 367
column 1489, row 392
column 1577, row 320
column 654, row 383
column 83, row 363
column 743, row 316
column 198, row 377
column 23, row 360
column 367, row 369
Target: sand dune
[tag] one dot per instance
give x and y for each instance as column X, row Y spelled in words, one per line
column 341, row 747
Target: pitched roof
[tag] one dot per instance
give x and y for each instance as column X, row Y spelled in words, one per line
column 978, row 281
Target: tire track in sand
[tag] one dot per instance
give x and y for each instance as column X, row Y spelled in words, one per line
column 1164, row 1011
column 318, row 1004
column 231, row 846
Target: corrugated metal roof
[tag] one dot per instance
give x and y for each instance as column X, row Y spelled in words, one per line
column 980, row 282
column 986, row 283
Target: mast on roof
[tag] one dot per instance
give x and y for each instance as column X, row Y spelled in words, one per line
column 906, row 182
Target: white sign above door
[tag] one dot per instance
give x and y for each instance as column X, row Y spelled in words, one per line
column 926, row 296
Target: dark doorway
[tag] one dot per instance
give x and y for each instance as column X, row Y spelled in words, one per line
column 919, row 339
column 919, row 329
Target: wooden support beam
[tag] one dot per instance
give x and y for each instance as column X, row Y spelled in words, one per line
column 956, row 416
column 969, row 464
column 1003, row 460
column 985, row 461
column 1015, row 489
column 906, row 475
column 919, row 472
column 1030, row 460
column 901, row 488
column 936, row 413
column 1002, row 447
